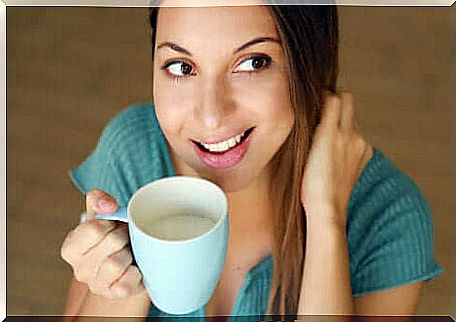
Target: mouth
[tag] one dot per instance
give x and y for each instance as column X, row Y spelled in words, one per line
column 226, row 154
column 222, row 147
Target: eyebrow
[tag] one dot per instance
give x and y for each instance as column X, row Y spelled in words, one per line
column 252, row 42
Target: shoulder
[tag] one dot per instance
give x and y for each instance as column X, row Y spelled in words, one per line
column 383, row 189
column 381, row 186
column 381, row 178
column 134, row 140
column 129, row 124
column 136, row 147
column 131, row 152
column 389, row 229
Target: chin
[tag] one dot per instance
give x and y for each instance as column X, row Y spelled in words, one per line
column 229, row 181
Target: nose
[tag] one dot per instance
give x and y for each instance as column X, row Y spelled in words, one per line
column 214, row 105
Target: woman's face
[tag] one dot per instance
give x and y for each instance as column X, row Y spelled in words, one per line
column 221, row 91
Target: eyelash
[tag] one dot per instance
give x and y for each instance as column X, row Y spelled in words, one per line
column 266, row 58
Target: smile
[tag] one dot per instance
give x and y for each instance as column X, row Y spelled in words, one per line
column 224, row 154
column 225, row 145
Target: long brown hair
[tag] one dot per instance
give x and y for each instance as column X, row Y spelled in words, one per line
column 310, row 36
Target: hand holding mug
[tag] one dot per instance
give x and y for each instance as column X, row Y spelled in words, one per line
column 178, row 229
column 98, row 251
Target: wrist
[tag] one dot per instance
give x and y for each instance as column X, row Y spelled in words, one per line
column 326, row 236
column 325, row 216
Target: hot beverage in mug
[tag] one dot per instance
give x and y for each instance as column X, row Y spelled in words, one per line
column 178, row 229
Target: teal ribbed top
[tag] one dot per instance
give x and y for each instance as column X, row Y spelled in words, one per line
column 389, row 223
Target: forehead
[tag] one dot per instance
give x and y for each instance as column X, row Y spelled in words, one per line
column 215, row 24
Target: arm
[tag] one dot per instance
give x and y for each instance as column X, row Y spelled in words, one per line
column 338, row 154
column 326, row 287
column 400, row 300
column 133, row 306
column 76, row 294
column 81, row 302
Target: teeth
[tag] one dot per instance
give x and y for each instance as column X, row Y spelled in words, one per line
column 231, row 142
column 218, row 147
column 225, row 145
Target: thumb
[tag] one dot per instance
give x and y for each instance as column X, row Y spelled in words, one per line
column 98, row 201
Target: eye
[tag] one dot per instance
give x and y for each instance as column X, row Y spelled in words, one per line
column 178, row 68
column 254, row 63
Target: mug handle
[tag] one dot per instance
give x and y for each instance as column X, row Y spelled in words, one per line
column 119, row 215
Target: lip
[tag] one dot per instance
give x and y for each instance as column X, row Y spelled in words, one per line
column 219, row 139
column 225, row 160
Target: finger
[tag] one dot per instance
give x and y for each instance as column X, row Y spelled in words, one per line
column 347, row 110
column 129, row 283
column 113, row 268
column 98, row 201
column 89, row 264
column 331, row 110
column 114, row 242
column 355, row 124
column 84, row 237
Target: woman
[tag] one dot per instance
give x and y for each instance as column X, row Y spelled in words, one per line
column 320, row 222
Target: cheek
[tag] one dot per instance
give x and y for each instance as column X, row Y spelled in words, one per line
column 280, row 104
column 171, row 91
column 271, row 101
column 169, row 109
column 170, row 121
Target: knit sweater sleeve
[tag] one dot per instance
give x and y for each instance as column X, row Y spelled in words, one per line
column 390, row 230
column 130, row 153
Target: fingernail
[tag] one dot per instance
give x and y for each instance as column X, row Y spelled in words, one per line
column 105, row 204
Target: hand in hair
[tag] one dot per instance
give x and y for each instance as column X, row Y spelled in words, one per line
column 337, row 157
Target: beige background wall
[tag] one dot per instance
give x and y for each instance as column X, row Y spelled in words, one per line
column 71, row 69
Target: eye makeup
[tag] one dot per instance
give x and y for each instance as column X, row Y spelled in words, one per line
column 259, row 62
column 255, row 58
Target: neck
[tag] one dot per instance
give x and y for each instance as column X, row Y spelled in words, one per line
column 249, row 207
column 251, row 231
